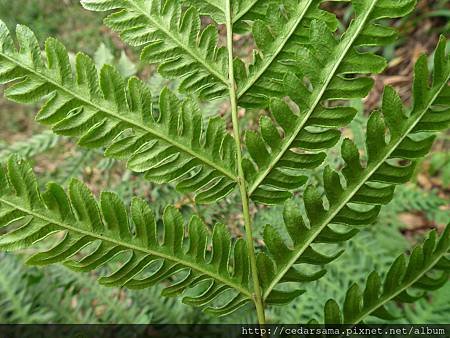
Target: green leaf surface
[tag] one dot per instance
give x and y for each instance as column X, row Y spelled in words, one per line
column 91, row 235
column 317, row 71
column 357, row 202
column 102, row 110
column 173, row 39
column 429, row 272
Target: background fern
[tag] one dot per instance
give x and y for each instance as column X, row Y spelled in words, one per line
column 56, row 294
column 432, row 310
column 38, row 144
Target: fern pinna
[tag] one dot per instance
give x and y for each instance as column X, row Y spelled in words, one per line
column 303, row 73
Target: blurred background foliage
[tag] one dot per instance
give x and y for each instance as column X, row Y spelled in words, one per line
column 57, row 295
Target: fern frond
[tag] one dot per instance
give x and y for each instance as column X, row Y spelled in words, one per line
column 296, row 41
column 391, row 161
column 35, row 145
column 103, row 111
column 371, row 249
column 316, row 70
column 109, row 229
column 173, row 39
column 279, row 29
column 427, row 269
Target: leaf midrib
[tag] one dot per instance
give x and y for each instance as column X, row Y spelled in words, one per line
column 356, row 188
column 315, row 103
column 172, row 36
column 128, row 246
column 121, row 117
column 269, row 61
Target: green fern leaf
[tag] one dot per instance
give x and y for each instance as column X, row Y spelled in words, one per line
column 371, row 249
column 104, row 111
column 314, row 69
column 279, row 30
column 357, row 203
column 295, row 41
column 109, row 229
column 304, row 73
column 173, row 39
column 427, row 269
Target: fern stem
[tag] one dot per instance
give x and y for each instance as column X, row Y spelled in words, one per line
column 257, row 295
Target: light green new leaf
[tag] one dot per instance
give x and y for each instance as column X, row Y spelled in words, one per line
column 168, row 145
column 91, row 235
column 173, row 39
column 357, row 202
